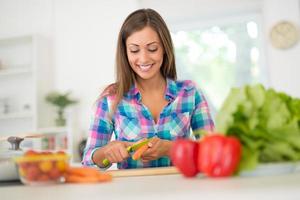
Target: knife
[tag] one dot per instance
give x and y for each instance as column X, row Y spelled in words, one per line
column 130, row 149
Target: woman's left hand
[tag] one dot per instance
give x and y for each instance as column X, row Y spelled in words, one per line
column 157, row 148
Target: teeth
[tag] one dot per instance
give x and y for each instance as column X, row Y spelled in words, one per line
column 145, row 67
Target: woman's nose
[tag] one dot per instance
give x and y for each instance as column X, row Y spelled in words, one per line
column 144, row 56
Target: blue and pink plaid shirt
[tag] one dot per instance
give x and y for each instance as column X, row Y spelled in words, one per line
column 187, row 109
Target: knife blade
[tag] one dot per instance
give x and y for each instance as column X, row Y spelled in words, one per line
column 137, row 145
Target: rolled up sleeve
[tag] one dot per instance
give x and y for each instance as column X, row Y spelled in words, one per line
column 100, row 131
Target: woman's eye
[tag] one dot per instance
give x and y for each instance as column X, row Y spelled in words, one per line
column 134, row 51
column 152, row 50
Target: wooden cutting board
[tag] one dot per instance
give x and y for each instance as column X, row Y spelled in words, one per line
column 144, row 171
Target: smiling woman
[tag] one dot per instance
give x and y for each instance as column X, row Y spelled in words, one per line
column 146, row 101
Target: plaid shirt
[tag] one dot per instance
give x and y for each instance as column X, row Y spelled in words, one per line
column 132, row 121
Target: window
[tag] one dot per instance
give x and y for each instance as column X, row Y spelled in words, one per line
column 220, row 56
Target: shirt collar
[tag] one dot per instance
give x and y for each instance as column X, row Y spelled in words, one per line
column 170, row 94
column 171, row 90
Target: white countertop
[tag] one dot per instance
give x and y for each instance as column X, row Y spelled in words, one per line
column 165, row 187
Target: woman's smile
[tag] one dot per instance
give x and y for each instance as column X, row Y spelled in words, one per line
column 145, row 67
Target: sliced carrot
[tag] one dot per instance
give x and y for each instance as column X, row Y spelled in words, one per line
column 83, row 171
column 138, row 153
column 86, row 175
column 81, row 179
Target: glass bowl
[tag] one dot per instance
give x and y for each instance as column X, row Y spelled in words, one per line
column 36, row 168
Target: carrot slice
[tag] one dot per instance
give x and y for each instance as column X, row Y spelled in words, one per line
column 138, row 153
column 88, row 179
column 86, row 175
column 83, row 171
column 81, row 179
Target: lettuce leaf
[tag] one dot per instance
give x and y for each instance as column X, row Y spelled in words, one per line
column 266, row 122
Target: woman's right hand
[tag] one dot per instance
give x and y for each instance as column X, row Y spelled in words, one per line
column 116, row 151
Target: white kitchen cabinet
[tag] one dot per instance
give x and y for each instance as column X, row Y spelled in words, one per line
column 26, row 76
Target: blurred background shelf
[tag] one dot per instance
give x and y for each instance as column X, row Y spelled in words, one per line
column 16, row 115
column 26, row 77
column 15, row 71
column 53, row 130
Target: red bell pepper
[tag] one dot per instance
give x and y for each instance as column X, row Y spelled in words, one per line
column 218, row 155
column 184, row 156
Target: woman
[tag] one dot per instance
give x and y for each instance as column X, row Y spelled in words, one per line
column 146, row 101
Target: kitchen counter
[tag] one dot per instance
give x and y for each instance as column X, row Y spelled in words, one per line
column 165, row 187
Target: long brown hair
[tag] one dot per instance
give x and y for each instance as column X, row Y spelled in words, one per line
column 125, row 76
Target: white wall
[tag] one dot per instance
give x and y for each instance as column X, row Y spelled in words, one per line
column 183, row 11
column 284, row 65
column 25, row 17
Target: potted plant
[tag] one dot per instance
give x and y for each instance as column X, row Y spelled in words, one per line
column 61, row 101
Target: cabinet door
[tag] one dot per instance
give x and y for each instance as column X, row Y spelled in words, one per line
column 25, row 79
column 17, row 85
